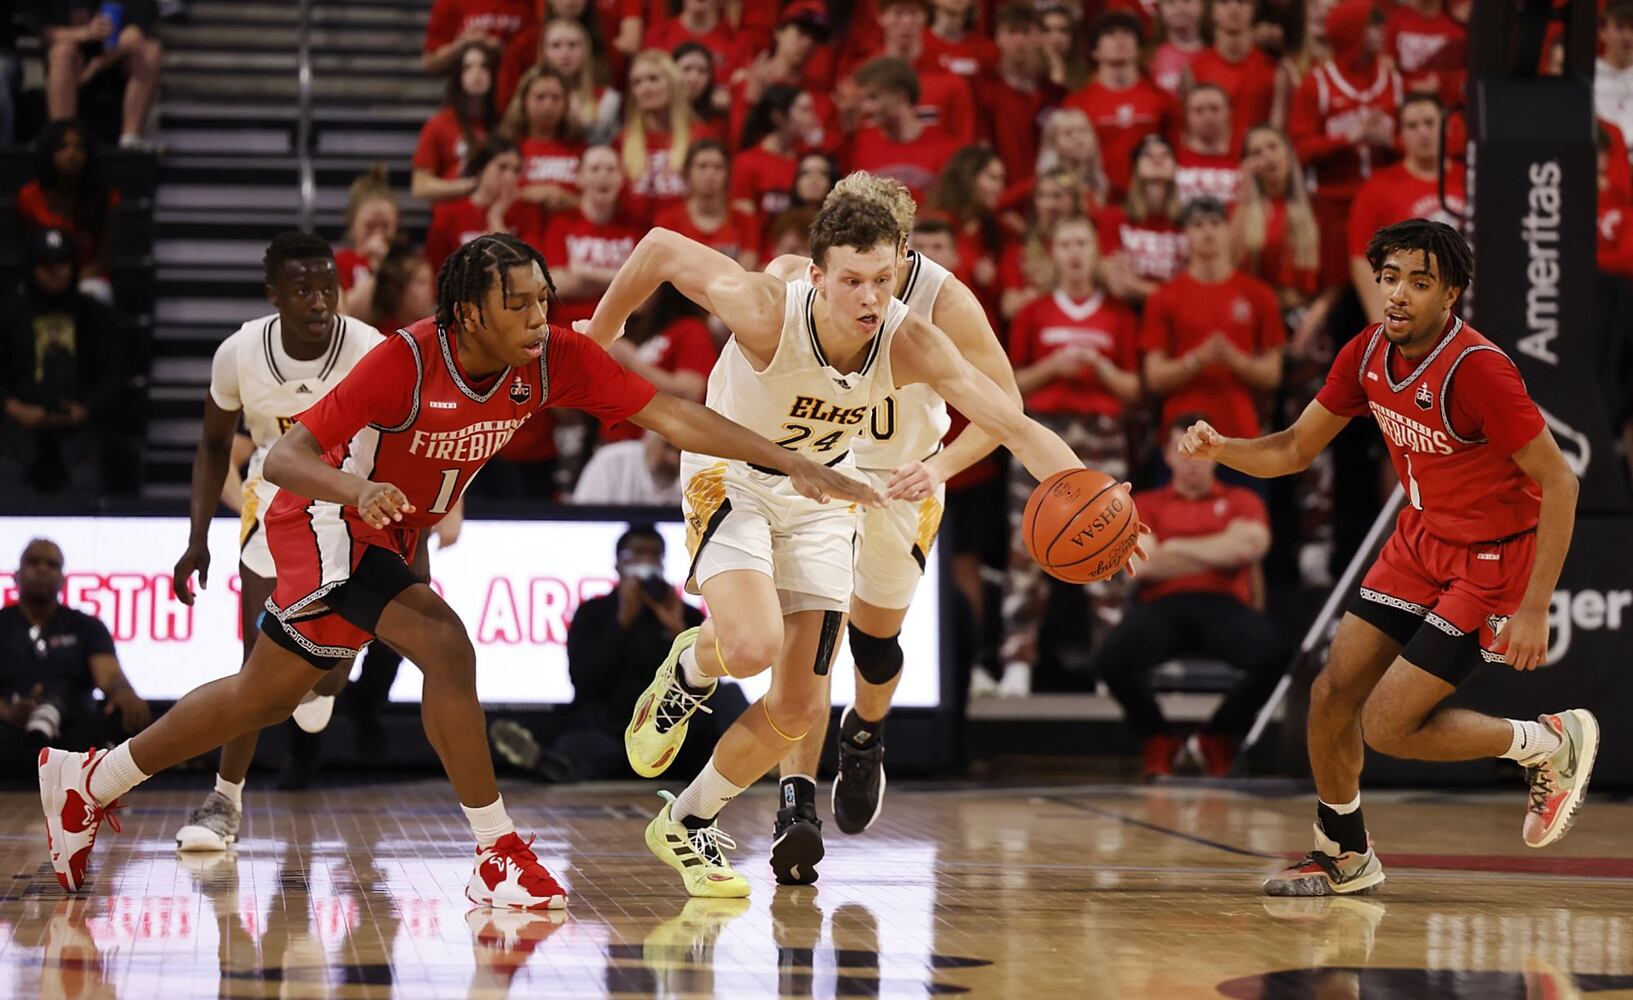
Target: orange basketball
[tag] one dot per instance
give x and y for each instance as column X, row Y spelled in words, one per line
column 1080, row 525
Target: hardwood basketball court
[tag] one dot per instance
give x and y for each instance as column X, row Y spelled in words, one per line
column 1071, row 891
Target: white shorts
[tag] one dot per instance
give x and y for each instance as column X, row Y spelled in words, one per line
column 252, row 547
column 740, row 518
column 892, row 543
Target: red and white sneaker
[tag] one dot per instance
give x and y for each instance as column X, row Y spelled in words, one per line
column 508, row 876
column 72, row 817
column 1559, row 781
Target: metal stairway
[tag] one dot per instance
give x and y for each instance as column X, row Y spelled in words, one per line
column 230, row 122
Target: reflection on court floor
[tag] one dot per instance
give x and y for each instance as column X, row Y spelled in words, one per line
column 1080, row 892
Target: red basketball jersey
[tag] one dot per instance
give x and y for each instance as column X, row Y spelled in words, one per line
column 409, row 415
column 1452, row 453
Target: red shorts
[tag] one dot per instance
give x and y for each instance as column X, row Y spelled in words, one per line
column 335, row 575
column 1445, row 602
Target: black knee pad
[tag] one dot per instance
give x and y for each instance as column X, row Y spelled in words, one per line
column 877, row 660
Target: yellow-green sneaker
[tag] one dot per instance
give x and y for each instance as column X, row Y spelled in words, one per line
column 658, row 727
column 699, row 855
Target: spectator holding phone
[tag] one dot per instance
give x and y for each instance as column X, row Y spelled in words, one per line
column 85, row 37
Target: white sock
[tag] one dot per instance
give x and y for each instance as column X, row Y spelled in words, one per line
column 1346, row 808
column 690, row 672
column 705, row 796
column 116, row 773
column 489, row 822
column 1532, row 740
column 233, row 790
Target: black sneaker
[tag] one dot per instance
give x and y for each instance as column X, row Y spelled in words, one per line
column 859, row 787
column 796, row 844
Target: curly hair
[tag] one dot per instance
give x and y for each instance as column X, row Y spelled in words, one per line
column 471, row 270
column 1438, row 241
column 886, row 191
column 858, row 223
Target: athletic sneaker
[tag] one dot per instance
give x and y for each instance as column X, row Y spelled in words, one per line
column 1559, row 781
column 698, row 855
column 796, row 844
column 314, row 712
column 859, row 787
column 508, row 876
column 658, row 727
column 1328, row 871
column 1213, row 754
column 212, row 826
column 1157, row 756
column 72, row 817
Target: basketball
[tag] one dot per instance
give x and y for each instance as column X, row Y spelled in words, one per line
column 1080, row 525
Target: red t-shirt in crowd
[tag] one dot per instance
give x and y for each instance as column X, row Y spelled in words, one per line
column 33, row 212
column 946, row 103
column 1250, row 84
column 1184, row 313
column 682, row 346
column 916, row 163
column 661, row 184
column 1274, row 263
column 457, row 222
column 499, row 18
column 389, row 386
column 551, row 161
column 1121, row 118
column 1615, row 246
column 352, row 266
column 723, row 43
column 1054, row 323
column 1325, row 108
column 1213, row 174
column 1430, row 52
column 764, row 178
column 1155, row 248
column 442, row 148
column 739, row 232
column 972, row 57
column 1393, row 195
column 572, row 241
column 829, row 134
column 1167, row 66
column 1172, row 516
column 1012, row 122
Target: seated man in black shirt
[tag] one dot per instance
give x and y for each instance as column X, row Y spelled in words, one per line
column 51, row 659
column 612, row 645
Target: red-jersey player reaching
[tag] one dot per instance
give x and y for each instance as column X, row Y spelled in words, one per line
column 1465, row 579
column 377, row 461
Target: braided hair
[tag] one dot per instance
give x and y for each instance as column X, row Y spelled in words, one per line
column 1435, row 239
column 470, row 271
column 292, row 244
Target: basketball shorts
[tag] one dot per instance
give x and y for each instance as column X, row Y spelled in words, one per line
column 892, row 543
column 742, row 518
column 252, row 545
column 1444, row 602
column 335, row 575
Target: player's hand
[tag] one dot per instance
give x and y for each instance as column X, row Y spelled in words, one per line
column 134, row 713
column 822, row 484
column 913, row 481
column 17, row 712
column 195, row 560
column 1524, row 640
column 1201, row 441
column 380, row 504
column 1138, row 556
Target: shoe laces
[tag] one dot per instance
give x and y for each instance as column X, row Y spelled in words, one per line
column 1326, row 862
column 856, row 763
column 215, row 807
column 530, row 872
column 678, row 703
column 711, row 843
column 103, row 812
column 1543, row 786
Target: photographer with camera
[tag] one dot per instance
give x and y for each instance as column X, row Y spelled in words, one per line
column 612, row 643
column 51, row 659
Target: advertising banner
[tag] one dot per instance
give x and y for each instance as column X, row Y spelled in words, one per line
column 515, row 584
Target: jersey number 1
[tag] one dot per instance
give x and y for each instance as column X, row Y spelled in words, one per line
column 445, row 492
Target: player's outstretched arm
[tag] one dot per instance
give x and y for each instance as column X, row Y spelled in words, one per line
column 210, row 464
column 1524, row 643
column 295, row 463
column 749, row 302
column 922, row 353
column 695, row 428
column 1280, row 454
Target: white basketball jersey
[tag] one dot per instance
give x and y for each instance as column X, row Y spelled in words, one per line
column 799, row 400
column 908, row 425
column 252, row 372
